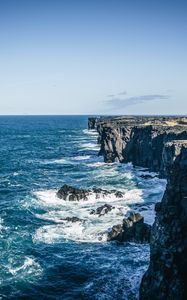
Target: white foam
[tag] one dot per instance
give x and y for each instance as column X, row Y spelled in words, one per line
column 30, row 266
column 15, row 174
column 97, row 164
column 48, row 197
column 82, row 157
column 1, row 225
column 93, row 228
column 56, row 161
column 90, row 131
column 89, row 146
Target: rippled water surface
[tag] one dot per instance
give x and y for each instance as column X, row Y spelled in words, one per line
column 41, row 255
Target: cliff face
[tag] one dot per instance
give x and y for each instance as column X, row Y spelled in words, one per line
column 143, row 145
column 166, row 277
column 151, row 143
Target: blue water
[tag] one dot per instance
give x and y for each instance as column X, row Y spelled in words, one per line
column 43, row 257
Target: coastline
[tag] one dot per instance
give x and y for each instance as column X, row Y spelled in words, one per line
column 160, row 144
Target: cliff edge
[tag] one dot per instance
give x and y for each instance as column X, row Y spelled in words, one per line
column 160, row 144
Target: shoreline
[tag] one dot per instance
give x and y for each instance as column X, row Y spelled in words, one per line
column 161, row 147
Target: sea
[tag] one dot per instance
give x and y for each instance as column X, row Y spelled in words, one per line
column 42, row 256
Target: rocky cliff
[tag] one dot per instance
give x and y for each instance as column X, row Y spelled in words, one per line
column 159, row 144
column 166, row 277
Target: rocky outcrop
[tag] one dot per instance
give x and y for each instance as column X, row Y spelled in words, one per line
column 70, row 193
column 133, row 229
column 159, row 144
column 166, row 277
column 102, row 210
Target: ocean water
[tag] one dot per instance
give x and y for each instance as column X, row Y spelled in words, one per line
column 41, row 255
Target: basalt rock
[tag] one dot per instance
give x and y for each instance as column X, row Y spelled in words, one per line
column 159, row 144
column 166, row 277
column 102, row 210
column 70, row 193
column 74, row 219
column 133, row 229
column 147, row 176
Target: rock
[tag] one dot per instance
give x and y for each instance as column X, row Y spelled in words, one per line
column 102, row 210
column 166, row 277
column 116, row 233
column 67, row 192
column 147, row 176
column 73, row 219
column 159, row 144
column 92, row 123
column 140, row 140
column 133, row 229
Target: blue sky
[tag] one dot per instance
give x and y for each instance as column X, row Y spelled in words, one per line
column 93, row 57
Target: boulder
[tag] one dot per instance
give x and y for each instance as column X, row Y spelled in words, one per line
column 67, row 192
column 102, row 210
column 133, row 229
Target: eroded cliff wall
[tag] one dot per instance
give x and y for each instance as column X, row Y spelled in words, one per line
column 159, row 144
column 166, row 277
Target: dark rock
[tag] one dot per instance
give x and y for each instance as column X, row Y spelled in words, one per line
column 133, row 229
column 140, row 140
column 147, row 176
column 67, row 192
column 166, row 277
column 73, row 219
column 102, row 210
column 116, row 233
column 159, row 144
column 92, row 123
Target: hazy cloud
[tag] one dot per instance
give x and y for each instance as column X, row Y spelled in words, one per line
column 118, row 94
column 122, row 93
column 119, row 102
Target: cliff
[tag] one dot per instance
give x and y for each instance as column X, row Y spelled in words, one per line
column 166, row 277
column 159, row 144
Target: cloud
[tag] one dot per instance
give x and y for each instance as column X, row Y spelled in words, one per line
column 122, row 93
column 119, row 102
column 118, row 94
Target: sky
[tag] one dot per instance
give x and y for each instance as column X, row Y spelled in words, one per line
column 93, row 57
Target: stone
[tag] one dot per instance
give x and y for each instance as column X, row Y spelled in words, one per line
column 102, row 210
column 133, row 229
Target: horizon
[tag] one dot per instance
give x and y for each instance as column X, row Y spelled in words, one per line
column 93, row 58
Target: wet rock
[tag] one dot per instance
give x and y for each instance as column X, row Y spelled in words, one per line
column 102, row 210
column 147, row 176
column 73, row 219
column 116, row 233
column 133, row 229
column 67, row 192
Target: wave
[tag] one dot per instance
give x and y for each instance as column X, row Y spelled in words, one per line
column 89, row 227
column 29, row 266
column 89, row 146
column 90, row 131
column 97, row 164
column 81, row 157
column 68, row 160
column 1, row 225
column 49, row 197
column 56, row 161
